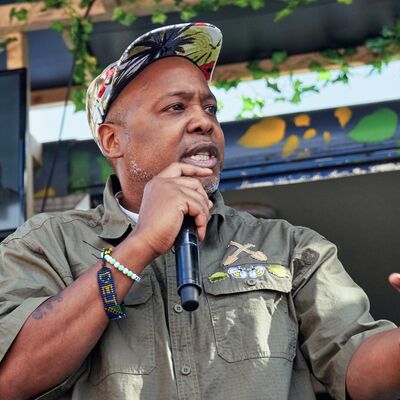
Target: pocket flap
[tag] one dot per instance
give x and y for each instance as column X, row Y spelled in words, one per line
column 272, row 279
column 139, row 292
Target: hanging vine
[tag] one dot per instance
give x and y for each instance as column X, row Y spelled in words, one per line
column 79, row 27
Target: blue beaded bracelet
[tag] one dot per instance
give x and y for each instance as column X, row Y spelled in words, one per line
column 106, row 255
column 108, row 294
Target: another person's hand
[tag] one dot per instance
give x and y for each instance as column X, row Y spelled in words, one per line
column 394, row 280
column 167, row 198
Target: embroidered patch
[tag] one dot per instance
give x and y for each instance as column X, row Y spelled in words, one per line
column 218, row 276
column 278, row 270
column 252, row 271
column 243, row 248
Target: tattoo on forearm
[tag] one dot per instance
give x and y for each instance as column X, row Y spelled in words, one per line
column 40, row 312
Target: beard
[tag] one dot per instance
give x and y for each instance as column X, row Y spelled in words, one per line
column 138, row 174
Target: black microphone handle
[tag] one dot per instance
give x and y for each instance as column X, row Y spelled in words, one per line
column 187, row 265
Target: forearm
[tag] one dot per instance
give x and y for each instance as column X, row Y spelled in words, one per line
column 58, row 335
column 374, row 370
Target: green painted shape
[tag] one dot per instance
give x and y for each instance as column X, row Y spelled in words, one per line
column 218, row 276
column 79, row 165
column 105, row 168
column 379, row 126
column 278, row 270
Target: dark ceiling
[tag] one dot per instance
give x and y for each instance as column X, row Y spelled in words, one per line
column 248, row 35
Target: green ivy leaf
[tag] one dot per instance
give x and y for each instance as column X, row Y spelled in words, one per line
column 257, row 4
column 78, row 97
column 350, row 51
column 57, row 26
column 283, row 14
column 324, row 75
column 20, row 14
column 347, row 2
column 333, row 56
column 57, row 4
column 256, row 71
column 158, row 17
column 188, row 13
column 273, row 86
column 227, row 84
column 84, row 3
column 278, row 57
column 123, row 17
column 6, row 42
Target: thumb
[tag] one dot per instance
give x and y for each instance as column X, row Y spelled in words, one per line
column 394, row 280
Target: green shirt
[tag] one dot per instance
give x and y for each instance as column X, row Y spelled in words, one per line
column 277, row 306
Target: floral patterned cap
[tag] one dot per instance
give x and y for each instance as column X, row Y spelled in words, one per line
column 199, row 42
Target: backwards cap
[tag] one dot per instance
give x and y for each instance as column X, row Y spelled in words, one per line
column 198, row 42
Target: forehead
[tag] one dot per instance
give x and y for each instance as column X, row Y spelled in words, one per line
column 169, row 74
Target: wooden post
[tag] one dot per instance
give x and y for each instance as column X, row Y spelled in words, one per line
column 17, row 57
column 17, row 51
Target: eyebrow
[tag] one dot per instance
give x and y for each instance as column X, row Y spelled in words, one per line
column 186, row 94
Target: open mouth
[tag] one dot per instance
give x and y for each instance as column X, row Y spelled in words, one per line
column 203, row 155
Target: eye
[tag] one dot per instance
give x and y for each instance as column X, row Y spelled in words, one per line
column 212, row 109
column 176, row 107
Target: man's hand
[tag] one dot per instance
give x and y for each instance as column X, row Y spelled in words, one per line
column 374, row 369
column 167, row 198
column 394, row 280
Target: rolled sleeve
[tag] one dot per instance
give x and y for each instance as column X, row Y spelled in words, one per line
column 332, row 311
column 26, row 280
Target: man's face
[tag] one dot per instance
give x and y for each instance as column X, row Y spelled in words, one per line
column 169, row 115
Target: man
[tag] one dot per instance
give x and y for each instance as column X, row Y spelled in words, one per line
column 276, row 307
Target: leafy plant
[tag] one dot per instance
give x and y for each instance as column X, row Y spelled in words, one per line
column 79, row 28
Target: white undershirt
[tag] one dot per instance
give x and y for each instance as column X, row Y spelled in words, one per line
column 131, row 215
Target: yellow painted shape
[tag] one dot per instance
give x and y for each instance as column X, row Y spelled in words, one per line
column 290, row 146
column 343, row 115
column 265, row 133
column 40, row 193
column 278, row 270
column 327, row 136
column 310, row 133
column 302, row 120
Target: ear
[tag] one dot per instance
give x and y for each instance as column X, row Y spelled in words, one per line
column 109, row 139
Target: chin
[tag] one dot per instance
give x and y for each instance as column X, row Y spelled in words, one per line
column 210, row 184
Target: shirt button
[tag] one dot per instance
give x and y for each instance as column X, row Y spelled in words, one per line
column 178, row 308
column 186, row 370
column 251, row 282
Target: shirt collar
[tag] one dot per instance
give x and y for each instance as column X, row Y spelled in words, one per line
column 114, row 222
column 130, row 214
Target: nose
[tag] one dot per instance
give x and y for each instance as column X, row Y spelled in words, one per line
column 200, row 122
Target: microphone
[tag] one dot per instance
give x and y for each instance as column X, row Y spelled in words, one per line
column 187, row 265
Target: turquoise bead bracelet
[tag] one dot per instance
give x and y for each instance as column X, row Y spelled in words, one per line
column 120, row 267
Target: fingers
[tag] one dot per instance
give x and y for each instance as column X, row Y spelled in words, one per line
column 394, row 280
column 181, row 169
column 194, row 204
column 194, row 184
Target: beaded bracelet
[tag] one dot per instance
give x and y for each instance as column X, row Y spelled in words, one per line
column 108, row 294
column 106, row 255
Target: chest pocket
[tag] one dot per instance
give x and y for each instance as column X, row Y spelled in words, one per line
column 128, row 346
column 251, row 318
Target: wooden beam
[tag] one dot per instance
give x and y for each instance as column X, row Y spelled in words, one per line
column 48, row 96
column 293, row 64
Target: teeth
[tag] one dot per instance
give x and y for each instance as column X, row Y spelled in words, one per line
column 200, row 157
